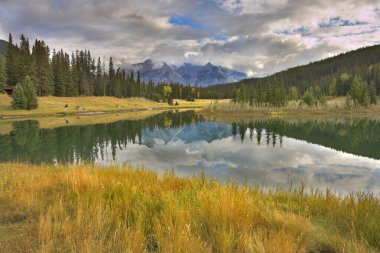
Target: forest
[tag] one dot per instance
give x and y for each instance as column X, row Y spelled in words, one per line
column 355, row 74
column 58, row 73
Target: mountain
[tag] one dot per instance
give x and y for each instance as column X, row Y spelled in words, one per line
column 187, row 74
column 333, row 75
column 209, row 74
column 164, row 73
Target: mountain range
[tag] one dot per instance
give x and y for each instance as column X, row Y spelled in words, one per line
column 204, row 76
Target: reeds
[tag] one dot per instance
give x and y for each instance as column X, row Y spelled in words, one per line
column 93, row 209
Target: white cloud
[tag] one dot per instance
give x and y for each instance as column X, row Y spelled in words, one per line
column 239, row 34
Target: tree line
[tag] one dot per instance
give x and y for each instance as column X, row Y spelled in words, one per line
column 58, row 73
column 349, row 74
column 84, row 143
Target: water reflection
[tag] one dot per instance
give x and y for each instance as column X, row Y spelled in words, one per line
column 263, row 151
column 85, row 143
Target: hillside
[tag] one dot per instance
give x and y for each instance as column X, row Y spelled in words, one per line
column 3, row 48
column 326, row 74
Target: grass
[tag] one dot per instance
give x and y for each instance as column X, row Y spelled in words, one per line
column 92, row 209
column 6, row 125
column 335, row 105
column 49, row 106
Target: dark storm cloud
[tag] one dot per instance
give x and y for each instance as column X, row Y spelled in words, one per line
column 258, row 37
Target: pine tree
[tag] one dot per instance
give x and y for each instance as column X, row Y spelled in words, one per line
column 98, row 80
column 356, row 91
column 11, row 70
column 372, row 94
column 30, row 94
column 138, row 84
column 44, row 73
column 24, row 59
column 111, row 77
column 3, row 78
column 18, row 98
column 24, row 95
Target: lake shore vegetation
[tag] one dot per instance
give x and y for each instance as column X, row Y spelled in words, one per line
column 86, row 208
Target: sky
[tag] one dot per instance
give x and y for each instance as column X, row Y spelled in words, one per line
column 257, row 37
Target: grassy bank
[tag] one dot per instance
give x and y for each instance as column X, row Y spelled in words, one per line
column 49, row 106
column 332, row 106
column 89, row 209
column 6, row 125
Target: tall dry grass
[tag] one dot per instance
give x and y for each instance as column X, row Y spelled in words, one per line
column 333, row 105
column 94, row 209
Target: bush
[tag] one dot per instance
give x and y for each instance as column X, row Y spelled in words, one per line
column 24, row 95
column 308, row 98
column 156, row 97
column 18, row 98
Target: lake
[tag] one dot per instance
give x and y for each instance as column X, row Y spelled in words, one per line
column 341, row 154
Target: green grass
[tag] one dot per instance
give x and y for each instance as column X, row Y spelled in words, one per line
column 93, row 209
column 50, row 105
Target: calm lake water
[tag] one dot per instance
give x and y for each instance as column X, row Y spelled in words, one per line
column 340, row 154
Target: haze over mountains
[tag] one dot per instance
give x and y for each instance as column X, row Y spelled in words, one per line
column 204, row 76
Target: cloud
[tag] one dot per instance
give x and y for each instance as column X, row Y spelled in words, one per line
column 254, row 36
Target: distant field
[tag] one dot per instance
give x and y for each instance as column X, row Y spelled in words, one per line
column 82, row 105
column 95, row 209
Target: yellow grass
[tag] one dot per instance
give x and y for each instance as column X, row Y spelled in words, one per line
column 335, row 105
column 93, row 209
column 6, row 125
column 85, row 105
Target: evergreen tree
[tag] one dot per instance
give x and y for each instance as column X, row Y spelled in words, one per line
column 44, row 73
column 356, row 91
column 11, row 70
column 138, row 84
column 24, row 95
column 3, row 78
column 308, row 98
column 24, row 59
column 98, row 80
column 111, row 78
column 18, row 98
column 30, row 93
column 372, row 94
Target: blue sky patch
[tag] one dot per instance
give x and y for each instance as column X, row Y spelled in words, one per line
column 337, row 21
column 220, row 37
column 184, row 21
column 301, row 30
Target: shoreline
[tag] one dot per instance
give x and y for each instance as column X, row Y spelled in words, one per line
column 293, row 112
column 94, row 113
column 55, row 106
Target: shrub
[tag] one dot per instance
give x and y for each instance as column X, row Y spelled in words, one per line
column 24, row 95
column 308, row 98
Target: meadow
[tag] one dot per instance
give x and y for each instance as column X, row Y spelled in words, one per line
column 53, row 106
column 86, row 208
column 336, row 105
